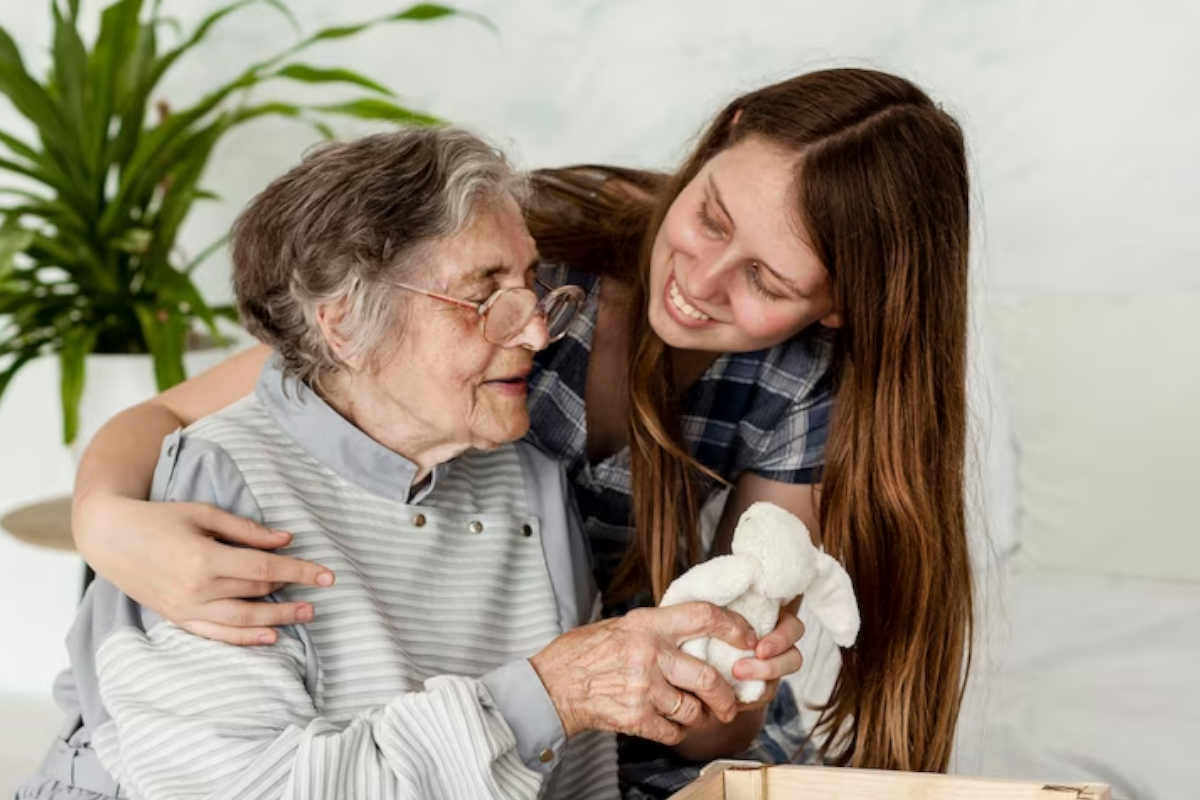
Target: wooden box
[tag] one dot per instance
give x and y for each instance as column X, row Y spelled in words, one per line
column 742, row 780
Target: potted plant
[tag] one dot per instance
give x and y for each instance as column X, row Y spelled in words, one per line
column 91, row 208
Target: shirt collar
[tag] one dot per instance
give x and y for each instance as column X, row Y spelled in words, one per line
column 334, row 441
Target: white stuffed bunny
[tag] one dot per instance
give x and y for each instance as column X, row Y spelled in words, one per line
column 774, row 560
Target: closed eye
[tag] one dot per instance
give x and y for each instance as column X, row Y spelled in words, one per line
column 707, row 221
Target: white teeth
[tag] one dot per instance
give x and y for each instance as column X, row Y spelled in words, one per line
column 684, row 306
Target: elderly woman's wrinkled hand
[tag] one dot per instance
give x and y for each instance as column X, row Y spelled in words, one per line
column 628, row 674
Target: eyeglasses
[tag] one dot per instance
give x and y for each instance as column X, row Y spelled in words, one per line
column 506, row 312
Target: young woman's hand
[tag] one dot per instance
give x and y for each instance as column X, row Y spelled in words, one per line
column 776, row 655
column 628, row 674
column 178, row 559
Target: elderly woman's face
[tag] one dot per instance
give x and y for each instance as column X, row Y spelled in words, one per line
column 444, row 377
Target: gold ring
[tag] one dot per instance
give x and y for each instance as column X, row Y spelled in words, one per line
column 678, row 703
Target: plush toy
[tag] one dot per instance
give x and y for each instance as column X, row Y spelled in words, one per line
column 774, row 560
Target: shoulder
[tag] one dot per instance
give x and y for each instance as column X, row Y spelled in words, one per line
column 195, row 465
column 541, row 471
column 800, row 369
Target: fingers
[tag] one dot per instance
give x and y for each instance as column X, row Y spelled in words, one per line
column 660, row 729
column 250, row 614
column 787, row 632
column 236, row 530
column 701, row 680
column 679, row 707
column 764, row 700
column 255, row 565
column 222, row 588
column 229, row 634
column 689, row 620
column 750, row 669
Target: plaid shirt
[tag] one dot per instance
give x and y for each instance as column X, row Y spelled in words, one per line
column 765, row 411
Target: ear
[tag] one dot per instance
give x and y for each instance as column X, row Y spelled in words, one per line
column 831, row 599
column 831, row 320
column 330, row 317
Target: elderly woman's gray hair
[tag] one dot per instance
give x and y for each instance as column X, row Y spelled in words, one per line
column 348, row 221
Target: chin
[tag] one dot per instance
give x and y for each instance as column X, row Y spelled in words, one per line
column 501, row 434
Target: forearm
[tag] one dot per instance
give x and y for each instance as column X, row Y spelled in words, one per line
column 118, row 464
column 120, row 460
column 239, row 723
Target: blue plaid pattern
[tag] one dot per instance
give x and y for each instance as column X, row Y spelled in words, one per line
column 766, row 411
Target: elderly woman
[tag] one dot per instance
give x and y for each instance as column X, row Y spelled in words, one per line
column 392, row 276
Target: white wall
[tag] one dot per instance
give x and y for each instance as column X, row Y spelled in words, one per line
column 1081, row 119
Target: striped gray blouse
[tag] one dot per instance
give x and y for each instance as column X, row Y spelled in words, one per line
column 413, row 679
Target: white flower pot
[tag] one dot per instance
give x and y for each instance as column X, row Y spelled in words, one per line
column 115, row 382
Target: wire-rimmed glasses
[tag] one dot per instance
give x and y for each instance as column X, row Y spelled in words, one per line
column 507, row 311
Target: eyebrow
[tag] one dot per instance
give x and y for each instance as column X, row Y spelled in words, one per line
column 716, row 193
column 490, row 271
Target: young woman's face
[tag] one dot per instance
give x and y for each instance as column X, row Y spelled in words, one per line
column 731, row 270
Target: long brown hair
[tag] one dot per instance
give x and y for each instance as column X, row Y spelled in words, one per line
column 883, row 193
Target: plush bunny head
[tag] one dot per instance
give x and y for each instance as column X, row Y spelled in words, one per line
column 783, row 547
column 791, row 564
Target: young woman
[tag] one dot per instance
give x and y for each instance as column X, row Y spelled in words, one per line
column 787, row 316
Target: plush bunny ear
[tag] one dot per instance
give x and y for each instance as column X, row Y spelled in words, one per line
column 719, row 581
column 831, row 598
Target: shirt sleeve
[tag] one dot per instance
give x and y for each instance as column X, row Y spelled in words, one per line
column 194, row 717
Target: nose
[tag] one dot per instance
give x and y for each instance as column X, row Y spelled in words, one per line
column 535, row 335
column 708, row 275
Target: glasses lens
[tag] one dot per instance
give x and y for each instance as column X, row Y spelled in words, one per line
column 559, row 309
column 508, row 315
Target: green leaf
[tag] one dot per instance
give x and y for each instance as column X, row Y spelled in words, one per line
column 134, row 240
column 422, row 12
column 121, row 62
column 282, row 8
column 63, row 217
column 320, row 127
column 290, row 110
column 22, row 169
column 171, row 56
column 178, row 198
column 27, row 95
column 19, row 148
column 374, row 108
column 42, row 169
column 13, row 240
column 70, row 77
column 205, row 253
column 311, row 74
column 165, row 332
column 14, row 191
column 77, row 342
column 157, row 150
column 175, row 289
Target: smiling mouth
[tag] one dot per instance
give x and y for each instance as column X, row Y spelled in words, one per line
column 513, row 381
column 682, row 305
